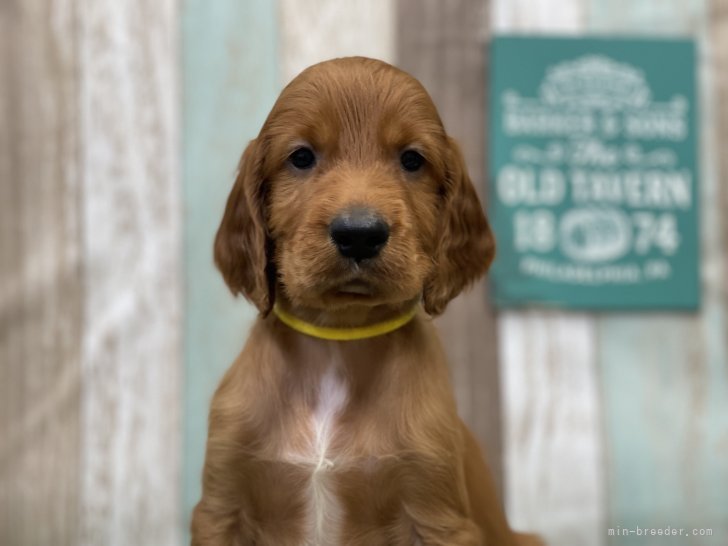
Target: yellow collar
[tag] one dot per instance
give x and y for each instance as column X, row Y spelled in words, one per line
column 344, row 334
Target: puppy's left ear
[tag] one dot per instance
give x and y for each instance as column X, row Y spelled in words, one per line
column 466, row 246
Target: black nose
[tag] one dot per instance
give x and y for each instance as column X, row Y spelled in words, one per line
column 359, row 234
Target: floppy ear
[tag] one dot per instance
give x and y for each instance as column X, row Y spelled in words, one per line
column 466, row 246
column 241, row 243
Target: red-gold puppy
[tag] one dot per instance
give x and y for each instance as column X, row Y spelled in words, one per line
column 351, row 222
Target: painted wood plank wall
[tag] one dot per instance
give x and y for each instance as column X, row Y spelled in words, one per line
column 89, row 303
column 664, row 377
column 553, row 437
column 90, row 337
column 229, row 83
column 444, row 45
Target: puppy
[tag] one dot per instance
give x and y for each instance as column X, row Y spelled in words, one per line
column 351, row 222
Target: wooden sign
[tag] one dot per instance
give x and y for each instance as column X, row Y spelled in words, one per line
column 594, row 186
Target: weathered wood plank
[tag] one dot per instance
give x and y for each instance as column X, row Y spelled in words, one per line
column 40, row 280
column 665, row 377
column 443, row 44
column 230, row 70
column 554, row 446
column 327, row 29
column 552, row 412
column 131, row 361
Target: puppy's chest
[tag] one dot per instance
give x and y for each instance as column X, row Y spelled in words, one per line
column 353, row 477
column 312, row 447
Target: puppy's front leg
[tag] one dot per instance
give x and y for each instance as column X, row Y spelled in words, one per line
column 446, row 528
column 222, row 517
column 212, row 527
column 219, row 519
column 436, row 501
column 250, row 496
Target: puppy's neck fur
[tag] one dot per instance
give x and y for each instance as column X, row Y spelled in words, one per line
column 349, row 315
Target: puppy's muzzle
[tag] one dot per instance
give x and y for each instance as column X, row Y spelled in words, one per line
column 359, row 234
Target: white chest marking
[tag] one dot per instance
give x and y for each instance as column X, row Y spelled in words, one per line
column 331, row 400
column 324, row 509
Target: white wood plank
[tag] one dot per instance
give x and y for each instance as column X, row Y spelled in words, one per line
column 553, row 443
column 326, row 29
column 131, row 251
column 552, row 414
column 539, row 16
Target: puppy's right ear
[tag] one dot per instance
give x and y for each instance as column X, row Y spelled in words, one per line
column 241, row 243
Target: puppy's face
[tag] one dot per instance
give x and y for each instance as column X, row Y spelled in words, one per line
column 353, row 194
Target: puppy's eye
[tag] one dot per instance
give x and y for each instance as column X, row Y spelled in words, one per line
column 411, row 161
column 302, row 158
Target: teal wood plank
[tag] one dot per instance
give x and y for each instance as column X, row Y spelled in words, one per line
column 665, row 376
column 230, row 81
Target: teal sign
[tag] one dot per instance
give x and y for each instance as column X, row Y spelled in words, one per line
column 593, row 178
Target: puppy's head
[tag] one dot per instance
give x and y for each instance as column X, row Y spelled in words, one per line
column 353, row 194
